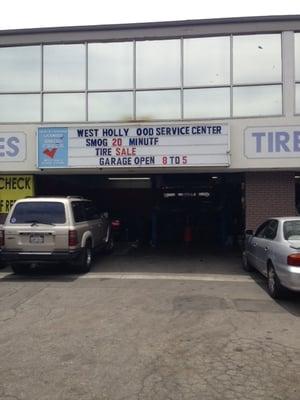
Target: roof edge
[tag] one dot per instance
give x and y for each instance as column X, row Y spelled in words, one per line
column 143, row 25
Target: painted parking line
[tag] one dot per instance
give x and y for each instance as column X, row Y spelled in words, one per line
column 156, row 276
column 170, row 276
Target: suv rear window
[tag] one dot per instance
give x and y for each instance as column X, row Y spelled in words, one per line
column 46, row 212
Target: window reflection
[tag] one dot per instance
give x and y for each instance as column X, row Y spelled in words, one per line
column 158, row 104
column 20, row 108
column 257, row 59
column 297, row 100
column 297, row 56
column 206, row 79
column 110, row 65
column 20, row 69
column 257, row 100
column 158, row 63
column 64, row 67
column 207, row 61
column 207, row 103
column 64, row 107
column 116, row 106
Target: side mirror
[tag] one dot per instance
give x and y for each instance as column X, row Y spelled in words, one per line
column 249, row 232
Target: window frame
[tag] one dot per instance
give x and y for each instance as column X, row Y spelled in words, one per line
column 181, row 87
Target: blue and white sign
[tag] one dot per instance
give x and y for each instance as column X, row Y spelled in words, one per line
column 52, row 147
column 272, row 142
column 134, row 146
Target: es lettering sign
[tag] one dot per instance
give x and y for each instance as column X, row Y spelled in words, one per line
column 12, row 146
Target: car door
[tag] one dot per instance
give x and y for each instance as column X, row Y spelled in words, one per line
column 269, row 234
column 254, row 246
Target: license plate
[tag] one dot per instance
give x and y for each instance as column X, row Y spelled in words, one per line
column 36, row 239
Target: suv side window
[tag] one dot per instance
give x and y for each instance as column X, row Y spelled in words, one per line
column 270, row 231
column 91, row 211
column 78, row 211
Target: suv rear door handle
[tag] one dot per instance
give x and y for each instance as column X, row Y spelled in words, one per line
column 266, row 248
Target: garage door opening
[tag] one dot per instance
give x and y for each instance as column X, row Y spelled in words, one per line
column 195, row 210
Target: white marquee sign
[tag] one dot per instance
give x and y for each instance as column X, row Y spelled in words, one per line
column 134, row 146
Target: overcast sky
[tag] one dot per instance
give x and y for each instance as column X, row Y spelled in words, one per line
column 15, row 14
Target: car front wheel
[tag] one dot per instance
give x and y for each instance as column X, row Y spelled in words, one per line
column 247, row 267
column 276, row 290
column 110, row 244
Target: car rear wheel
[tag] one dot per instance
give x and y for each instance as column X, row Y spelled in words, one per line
column 247, row 267
column 276, row 290
column 20, row 269
column 86, row 258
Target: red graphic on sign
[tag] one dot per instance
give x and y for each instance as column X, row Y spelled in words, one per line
column 50, row 153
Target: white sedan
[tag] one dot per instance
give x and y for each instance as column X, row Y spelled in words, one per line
column 274, row 250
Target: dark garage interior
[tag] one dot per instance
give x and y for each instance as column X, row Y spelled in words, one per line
column 156, row 210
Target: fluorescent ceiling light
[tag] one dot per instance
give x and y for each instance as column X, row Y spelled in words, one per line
column 130, row 179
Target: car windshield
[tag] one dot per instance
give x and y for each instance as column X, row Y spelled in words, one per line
column 291, row 230
column 44, row 212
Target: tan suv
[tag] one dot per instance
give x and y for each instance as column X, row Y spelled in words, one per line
column 54, row 229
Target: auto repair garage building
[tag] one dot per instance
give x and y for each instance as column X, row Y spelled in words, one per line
column 195, row 122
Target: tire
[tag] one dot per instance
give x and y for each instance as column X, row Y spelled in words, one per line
column 20, row 269
column 110, row 245
column 246, row 266
column 86, row 258
column 275, row 288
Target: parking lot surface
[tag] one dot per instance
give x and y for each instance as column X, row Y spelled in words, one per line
column 148, row 325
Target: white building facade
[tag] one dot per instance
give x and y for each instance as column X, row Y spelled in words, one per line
column 186, row 97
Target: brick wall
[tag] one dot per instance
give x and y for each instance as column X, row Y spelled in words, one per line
column 268, row 194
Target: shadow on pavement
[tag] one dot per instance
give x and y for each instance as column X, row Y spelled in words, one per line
column 53, row 273
column 291, row 300
column 129, row 258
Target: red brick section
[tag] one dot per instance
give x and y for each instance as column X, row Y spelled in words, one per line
column 268, row 194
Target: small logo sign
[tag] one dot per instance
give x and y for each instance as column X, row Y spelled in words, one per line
column 52, row 147
column 50, row 152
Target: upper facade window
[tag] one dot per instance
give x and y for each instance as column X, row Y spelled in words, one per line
column 297, row 72
column 110, row 66
column 158, row 64
column 257, row 75
column 20, row 69
column 256, row 59
column 207, row 61
column 192, row 78
column 64, row 67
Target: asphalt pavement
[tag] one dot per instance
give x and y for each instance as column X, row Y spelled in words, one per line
column 180, row 325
